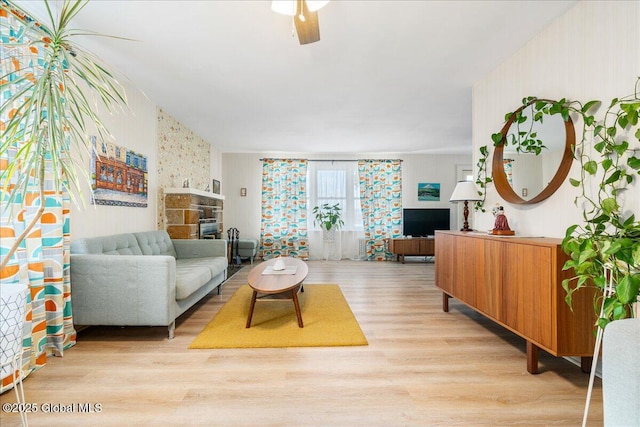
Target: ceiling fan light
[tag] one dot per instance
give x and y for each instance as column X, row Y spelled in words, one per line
column 288, row 7
column 285, row 7
column 314, row 5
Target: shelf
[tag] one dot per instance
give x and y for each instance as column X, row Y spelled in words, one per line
column 193, row 191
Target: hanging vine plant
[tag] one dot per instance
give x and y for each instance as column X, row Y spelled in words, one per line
column 606, row 245
column 483, row 179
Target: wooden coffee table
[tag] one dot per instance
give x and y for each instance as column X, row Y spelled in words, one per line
column 277, row 285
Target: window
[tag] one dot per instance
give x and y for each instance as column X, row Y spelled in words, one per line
column 335, row 182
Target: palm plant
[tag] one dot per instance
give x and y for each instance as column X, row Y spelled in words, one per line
column 49, row 107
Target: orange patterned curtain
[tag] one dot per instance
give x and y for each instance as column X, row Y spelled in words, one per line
column 42, row 260
column 283, row 227
column 381, row 202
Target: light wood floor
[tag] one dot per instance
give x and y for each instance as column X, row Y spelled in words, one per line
column 422, row 367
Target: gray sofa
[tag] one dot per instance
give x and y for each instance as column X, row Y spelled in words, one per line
column 142, row 279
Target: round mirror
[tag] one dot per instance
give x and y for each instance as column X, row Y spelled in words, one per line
column 536, row 158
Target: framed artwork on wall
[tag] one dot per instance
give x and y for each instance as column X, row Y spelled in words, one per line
column 428, row 191
column 119, row 175
column 216, row 187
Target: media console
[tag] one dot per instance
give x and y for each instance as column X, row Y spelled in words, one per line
column 411, row 246
column 517, row 283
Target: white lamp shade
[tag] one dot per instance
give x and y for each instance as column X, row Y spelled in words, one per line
column 288, row 7
column 465, row 191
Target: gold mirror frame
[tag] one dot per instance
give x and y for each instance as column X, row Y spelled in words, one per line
column 500, row 177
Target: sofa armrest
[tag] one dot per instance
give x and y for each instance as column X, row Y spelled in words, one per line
column 123, row 289
column 202, row 248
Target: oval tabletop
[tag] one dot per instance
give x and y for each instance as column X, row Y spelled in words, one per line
column 279, row 281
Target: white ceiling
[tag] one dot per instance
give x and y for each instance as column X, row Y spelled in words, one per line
column 386, row 76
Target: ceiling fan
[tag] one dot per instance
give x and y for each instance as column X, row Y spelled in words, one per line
column 305, row 17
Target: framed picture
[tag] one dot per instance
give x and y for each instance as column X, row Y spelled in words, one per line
column 428, row 191
column 216, row 187
column 119, row 175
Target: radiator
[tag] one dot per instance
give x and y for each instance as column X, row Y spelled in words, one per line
column 362, row 248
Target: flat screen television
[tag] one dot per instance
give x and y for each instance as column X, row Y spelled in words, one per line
column 417, row 222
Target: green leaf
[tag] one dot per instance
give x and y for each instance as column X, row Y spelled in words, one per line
column 591, row 167
column 635, row 255
column 621, row 147
column 615, row 176
column 586, row 255
column 609, row 205
column 539, row 105
column 588, row 120
column 589, row 105
column 611, row 248
column 574, row 182
column 496, row 138
column 606, row 164
column 602, row 322
column 623, row 121
column 634, row 162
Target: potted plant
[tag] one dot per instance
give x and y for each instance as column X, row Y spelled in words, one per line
column 328, row 217
column 48, row 101
column 607, row 244
column 604, row 249
column 49, row 111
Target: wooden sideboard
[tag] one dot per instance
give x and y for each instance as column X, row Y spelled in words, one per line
column 517, row 282
column 413, row 246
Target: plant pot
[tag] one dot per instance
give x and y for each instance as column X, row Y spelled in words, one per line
column 329, row 236
column 13, row 300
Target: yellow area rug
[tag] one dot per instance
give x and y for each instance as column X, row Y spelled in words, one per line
column 328, row 321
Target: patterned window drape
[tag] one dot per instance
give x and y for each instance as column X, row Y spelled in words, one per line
column 42, row 260
column 381, row 199
column 283, row 227
column 508, row 169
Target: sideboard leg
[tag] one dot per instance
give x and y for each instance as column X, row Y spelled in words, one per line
column 532, row 358
column 585, row 364
column 445, row 302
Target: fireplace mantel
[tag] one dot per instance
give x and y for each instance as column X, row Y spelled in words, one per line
column 194, row 191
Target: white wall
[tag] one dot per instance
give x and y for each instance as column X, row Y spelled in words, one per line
column 136, row 130
column 245, row 170
column 591, row 52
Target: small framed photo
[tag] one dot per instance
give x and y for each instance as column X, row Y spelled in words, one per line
column 216, row 187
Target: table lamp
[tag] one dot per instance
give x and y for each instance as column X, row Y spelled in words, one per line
column 466, row 192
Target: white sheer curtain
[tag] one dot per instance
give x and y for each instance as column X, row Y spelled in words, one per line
column 335, row 182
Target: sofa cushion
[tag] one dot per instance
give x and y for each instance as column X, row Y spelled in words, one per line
column 155, row 242
column 191, row 275
column 119, row 244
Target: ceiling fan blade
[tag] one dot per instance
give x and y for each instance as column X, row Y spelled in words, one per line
column 308, row 29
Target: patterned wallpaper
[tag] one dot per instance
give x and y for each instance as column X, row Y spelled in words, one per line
column 181, row 155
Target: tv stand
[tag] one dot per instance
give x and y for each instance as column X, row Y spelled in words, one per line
column 411, row 246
